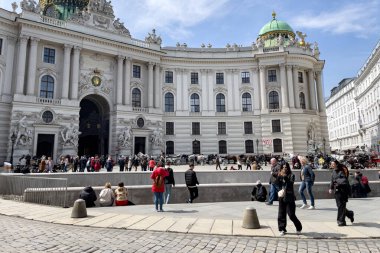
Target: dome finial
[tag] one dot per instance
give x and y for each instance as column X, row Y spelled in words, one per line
column 274, row 15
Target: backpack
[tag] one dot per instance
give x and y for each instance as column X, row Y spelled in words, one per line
column 364, row 180
column 159, row 181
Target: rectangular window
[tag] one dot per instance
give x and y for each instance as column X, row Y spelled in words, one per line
column 169, row 128
column 245, row 77
column 221, row 128
column 300, row 77
column 219, row 78
column 136, row 71
column 196, row 128
column 49, row 55
column 276, row 126
column 272, row 75
column 1, row 46
column 222, row 147
column 248, row 127
column 194, row 78
column 168, row 76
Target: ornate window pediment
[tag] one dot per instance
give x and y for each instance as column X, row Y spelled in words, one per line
column 220, row 90
column 195, row 89
column 171, row 89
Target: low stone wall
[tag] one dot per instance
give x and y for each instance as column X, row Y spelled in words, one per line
column 207, row 193
column 204, row 177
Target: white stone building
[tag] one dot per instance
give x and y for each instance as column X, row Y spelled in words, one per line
column 353, row 109
column 73, row 80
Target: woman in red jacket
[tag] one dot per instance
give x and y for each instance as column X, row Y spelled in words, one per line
column 158, row 186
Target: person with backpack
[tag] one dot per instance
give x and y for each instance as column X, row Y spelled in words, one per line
column 259, row 192
column 340, row 186
column 307, row 178
column 191, row 183
column 158, row 186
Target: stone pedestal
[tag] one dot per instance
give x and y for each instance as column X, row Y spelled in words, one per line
column 250, row 219
column 79, row 209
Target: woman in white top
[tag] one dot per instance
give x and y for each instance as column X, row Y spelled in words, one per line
column 106, row 196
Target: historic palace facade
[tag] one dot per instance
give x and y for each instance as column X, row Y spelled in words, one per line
column 73, row 80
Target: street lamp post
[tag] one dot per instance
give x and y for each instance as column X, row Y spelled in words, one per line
column 324, row 145
column 257, row 146
column 13, row 140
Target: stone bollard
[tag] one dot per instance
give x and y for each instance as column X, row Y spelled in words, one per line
column 250, row 219
column 79, row 209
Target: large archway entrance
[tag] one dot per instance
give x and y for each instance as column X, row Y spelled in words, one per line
column 94, row 126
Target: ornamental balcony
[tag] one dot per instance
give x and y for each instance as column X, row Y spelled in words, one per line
column 140, row 109
column 48, row 101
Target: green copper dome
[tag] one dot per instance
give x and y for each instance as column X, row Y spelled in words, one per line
column 275, row 26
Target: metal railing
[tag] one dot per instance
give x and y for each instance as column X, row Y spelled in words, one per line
column 39, row 190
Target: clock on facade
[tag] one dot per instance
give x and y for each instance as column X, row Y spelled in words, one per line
column 140, row 122
column 96, row 80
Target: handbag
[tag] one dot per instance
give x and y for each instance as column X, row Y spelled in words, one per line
column 281, row 193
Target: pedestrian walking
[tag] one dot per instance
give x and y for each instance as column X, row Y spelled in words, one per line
column 217, row 163
column 287, row 203
column 340, row 186
column 169, row 182
column 307, row 178
column 191, row 183
column 121, row 163
column 158, row 186
column 274, row 183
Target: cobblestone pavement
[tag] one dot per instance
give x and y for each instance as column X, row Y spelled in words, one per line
column 21, row 235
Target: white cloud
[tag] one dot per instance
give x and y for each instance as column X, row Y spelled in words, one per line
column 173, row 17
column 359, row 18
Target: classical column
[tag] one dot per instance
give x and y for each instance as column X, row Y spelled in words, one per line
column 127, row 81
column 290, row 85
column 321, row 100
column 230, row 88
column 75, row 74
column 235, row 92
column 296, row 89
column 211, row 95
column 284, row 87
column 313, row 104
column 178, row 82
column 204, row 99
column 157, row 87
column 20, row 78
column 32, row 66
column 8, row 80
column 256, row 89
column 306, row 92
column 262, row 88
column 119, row 91
column 185, row 90
column 66, row 71
column 150, row 84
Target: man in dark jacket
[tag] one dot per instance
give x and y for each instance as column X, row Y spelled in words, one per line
column 259, row 192
column 191, row 183
column 89, row 196
column 169, row 183
column 274, row 183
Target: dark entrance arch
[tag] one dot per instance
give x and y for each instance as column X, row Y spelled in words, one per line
column 94, row 126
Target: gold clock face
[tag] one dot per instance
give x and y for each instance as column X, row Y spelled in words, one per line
column 96, row 81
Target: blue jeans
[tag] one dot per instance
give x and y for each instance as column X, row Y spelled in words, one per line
column 168, row 192
column 158, row 198
column 273, row 193
column 308, row 186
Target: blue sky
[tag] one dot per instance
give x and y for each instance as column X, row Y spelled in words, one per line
column 346, row 31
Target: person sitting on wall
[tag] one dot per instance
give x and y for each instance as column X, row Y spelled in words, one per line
column 106, row 196
column 89, row 196
column 121, row 195
column 259, row 192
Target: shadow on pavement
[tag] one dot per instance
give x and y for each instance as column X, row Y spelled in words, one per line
column 366, row 224
column 315, row 235
column 181, row 211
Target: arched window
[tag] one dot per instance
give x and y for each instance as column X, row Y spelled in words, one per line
column 273, row 100
column 277, row 146
column 169, row 102
column 220, row 103
column 249, row 146
column 222, row 147
column 196, row 147
column 47, row 87
column 136, row 98
column 302, row 100
column 246, row 102
column 170, row 147
column 194, row 102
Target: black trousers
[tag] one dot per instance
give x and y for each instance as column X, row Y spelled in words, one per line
column 341, row 202
column 193, row 191
column 290, row 209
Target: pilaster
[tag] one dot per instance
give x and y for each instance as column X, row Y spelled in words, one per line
column 66, row 70
column 75, row 73
column 20, row 78
column 32, row 66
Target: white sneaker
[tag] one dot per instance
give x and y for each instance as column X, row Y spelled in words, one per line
column 303, row 206
column 282, row 233
column 298, row 232
column 311, row 208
